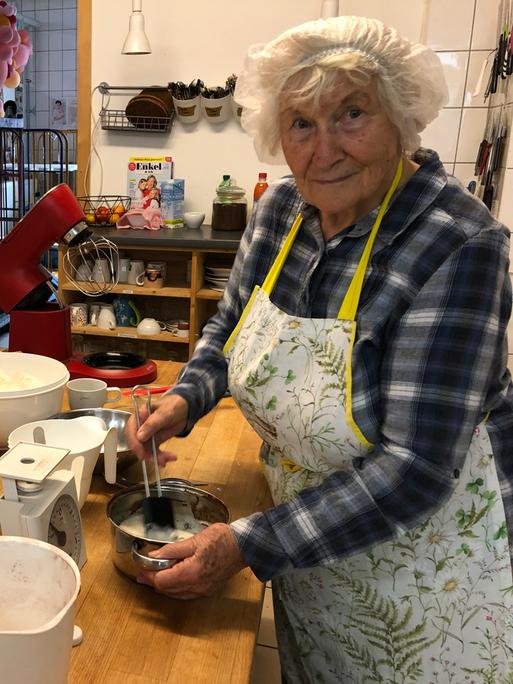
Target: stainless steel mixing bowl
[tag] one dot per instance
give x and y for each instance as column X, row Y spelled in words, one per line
column 129, row 552
column 128, row 471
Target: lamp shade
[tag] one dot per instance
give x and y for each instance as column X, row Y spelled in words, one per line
column 136, row 42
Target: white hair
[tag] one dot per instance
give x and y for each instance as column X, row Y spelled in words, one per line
column 408, row 76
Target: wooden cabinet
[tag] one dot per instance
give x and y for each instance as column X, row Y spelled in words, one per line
column 185, row 294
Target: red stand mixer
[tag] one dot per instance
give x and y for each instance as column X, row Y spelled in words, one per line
column 38, row 327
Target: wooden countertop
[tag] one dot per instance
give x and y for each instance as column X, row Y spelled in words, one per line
column 133, row 635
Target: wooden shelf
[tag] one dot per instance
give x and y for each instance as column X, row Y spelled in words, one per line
column 130, row 333
column 125, row 288
column 195, row 302
column 206, row 293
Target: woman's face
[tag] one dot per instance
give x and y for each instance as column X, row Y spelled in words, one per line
column 343, row 153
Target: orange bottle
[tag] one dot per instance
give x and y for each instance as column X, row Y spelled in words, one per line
column 260, row 187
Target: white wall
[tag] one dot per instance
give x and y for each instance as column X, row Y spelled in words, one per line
column 205, row 39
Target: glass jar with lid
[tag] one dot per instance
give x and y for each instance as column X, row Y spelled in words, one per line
column 229, row 209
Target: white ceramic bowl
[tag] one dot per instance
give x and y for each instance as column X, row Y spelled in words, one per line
column 193, row 219
column 18, row 407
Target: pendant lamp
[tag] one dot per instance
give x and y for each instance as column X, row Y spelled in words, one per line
column 136, row 42
column 329, row 8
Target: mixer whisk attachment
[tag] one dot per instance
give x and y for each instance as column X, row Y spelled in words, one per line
column 92, row 266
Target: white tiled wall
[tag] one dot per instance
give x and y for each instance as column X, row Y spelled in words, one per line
column 462, row 32
column 52, row 69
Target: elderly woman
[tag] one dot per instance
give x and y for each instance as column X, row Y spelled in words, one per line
column 363, row 335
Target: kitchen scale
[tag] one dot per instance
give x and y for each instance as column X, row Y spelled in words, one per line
column 40, row 502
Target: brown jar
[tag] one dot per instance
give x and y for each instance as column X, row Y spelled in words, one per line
column 229, row 209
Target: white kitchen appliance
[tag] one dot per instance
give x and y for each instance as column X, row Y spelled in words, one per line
column 84, row 437
column 39, row 501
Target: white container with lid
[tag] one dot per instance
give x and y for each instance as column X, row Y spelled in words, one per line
column 39, row 585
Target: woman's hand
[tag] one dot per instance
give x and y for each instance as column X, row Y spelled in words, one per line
column 204, row 563
column 168, row 418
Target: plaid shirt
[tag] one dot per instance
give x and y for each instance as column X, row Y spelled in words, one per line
column 429, row 361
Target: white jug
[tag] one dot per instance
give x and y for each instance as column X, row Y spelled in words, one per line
column 85, row 437
column 39, row 585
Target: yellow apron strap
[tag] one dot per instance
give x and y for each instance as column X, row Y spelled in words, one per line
column 350, row 304
column 275, row 270
column 270, row 280
column 241, row 320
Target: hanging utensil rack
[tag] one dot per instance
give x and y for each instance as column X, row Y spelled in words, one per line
column 117, row 120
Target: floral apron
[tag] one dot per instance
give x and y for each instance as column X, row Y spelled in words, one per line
column 435, row 605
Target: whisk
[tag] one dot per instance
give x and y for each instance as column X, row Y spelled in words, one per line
column 83, row 266
column 157, row 510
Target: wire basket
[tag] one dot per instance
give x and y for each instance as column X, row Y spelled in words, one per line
column 117, row 120
column 104, row 210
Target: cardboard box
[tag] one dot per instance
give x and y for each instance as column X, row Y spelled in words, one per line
column 173, row 195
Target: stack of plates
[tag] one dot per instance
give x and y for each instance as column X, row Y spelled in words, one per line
column 216, row 277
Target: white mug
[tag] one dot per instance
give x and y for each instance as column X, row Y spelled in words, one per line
column 150, row 326
column 136, row 268
column 90, row 393
column 124, row 270
column 84, row 273
column 101, row 271
column 106, row 319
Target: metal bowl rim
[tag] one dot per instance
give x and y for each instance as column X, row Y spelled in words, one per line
column 168, row 484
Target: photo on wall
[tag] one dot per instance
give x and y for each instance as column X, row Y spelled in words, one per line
column 63, row 112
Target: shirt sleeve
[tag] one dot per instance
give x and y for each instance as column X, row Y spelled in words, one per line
column 203, row 380
column 439, row 360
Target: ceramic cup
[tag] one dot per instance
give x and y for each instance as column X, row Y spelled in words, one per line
column 127, row 314
column 106, row 318
column 152, row 277
column 136, row 269
column 160, row 265
column 123, row 270
column 78, row 314
column 150, row 326
column 178, row 328
column 90, row 393
column 84, row 273
column 101, row 271
column 94, row 310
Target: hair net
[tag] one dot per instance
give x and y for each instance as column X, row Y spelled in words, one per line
column 410, row 79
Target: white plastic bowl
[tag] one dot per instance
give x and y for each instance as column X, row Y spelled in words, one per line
column 18, row 407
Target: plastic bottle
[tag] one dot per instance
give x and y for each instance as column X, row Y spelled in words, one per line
column 261, row 186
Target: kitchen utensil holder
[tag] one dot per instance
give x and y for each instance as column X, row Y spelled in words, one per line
column 117, row 120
